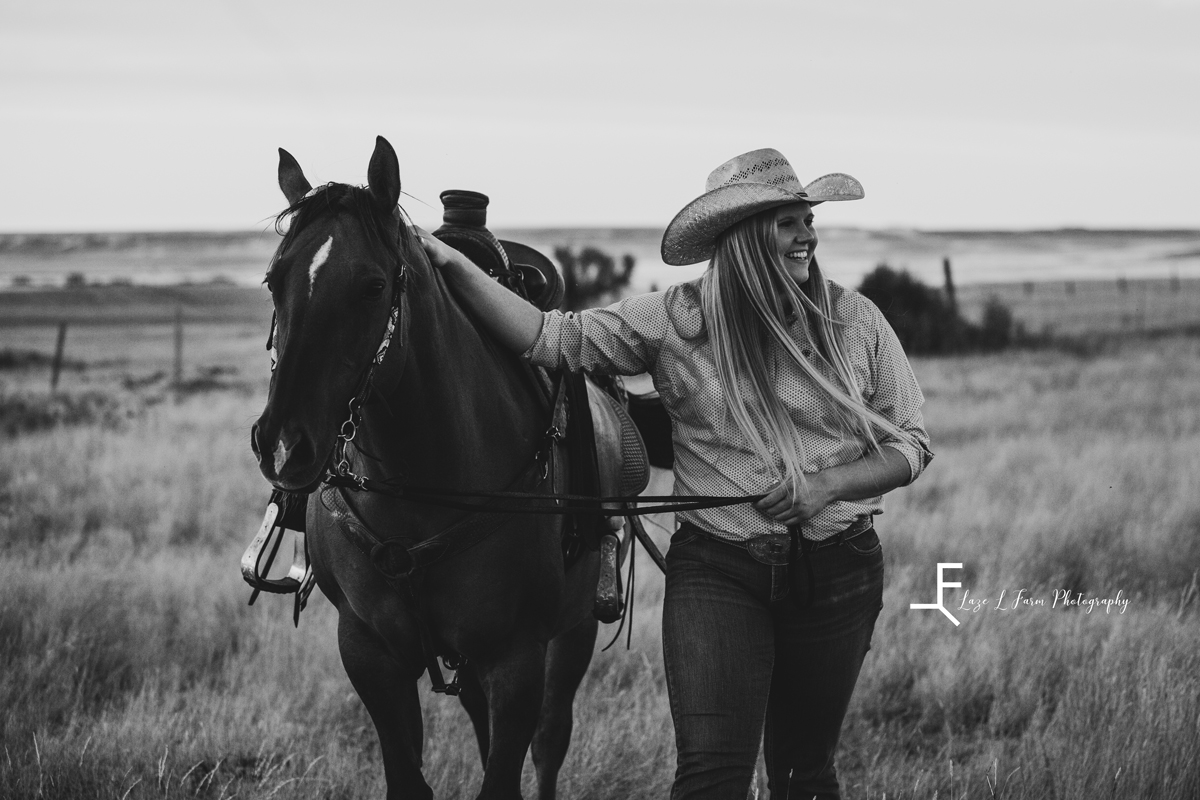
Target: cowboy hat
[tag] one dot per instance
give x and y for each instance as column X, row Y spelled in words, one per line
column 740, row 188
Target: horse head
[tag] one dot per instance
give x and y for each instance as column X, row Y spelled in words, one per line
column 337, row 283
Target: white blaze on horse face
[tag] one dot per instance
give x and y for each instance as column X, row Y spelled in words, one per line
column 319, row 259
column 281, row 456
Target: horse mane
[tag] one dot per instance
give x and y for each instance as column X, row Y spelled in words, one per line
column 338, row 198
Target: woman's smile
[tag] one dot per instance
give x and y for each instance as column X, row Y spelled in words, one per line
column 795, row 239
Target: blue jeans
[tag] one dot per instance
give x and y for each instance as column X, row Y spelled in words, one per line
column 747, row 664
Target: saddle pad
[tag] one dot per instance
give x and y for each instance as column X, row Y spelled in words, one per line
column 634, row 474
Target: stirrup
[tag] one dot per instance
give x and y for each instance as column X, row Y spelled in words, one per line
column 262, row 567
column 609, row 603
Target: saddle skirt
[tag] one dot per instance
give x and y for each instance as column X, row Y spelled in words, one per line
column 620, row 451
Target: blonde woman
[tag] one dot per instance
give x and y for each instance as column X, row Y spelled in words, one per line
column 777, row 381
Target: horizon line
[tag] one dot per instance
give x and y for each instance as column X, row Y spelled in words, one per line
column 623, row 228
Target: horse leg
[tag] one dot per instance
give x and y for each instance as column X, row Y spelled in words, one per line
column 474, row 701
column 512, row 681
column 567, row 659
column 390, row 694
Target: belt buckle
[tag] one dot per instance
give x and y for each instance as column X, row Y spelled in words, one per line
column 770, row 548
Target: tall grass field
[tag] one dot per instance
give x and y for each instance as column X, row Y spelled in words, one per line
column 1065, row 483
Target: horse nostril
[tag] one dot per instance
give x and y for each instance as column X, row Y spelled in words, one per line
column 254, row 441
column 302, row 451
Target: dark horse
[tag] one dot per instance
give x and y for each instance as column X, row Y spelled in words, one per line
column 448, row 409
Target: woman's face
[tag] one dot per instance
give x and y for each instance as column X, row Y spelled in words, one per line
column 795, row 239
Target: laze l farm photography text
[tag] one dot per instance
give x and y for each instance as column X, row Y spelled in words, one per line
column 1059, row 598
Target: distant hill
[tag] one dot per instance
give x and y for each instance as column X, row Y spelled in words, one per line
column 31, row 260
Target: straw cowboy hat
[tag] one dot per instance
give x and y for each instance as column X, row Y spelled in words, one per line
column 740, row 188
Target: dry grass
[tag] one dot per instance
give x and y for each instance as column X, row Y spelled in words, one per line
column 131, row 667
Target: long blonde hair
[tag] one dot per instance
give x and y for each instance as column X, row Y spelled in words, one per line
column 747, row 296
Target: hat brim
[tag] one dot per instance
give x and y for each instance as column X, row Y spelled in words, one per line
column 691, row 236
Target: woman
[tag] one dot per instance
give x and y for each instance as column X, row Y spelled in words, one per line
column 777, row 381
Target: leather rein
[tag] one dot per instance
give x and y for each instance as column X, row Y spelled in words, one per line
column 341, row 475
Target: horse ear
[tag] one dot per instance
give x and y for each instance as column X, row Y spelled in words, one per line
column 383, row 175
column 291, row 178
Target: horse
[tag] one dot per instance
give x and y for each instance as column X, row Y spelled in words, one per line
column 449, row 408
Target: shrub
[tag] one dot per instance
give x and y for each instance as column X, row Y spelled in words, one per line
column 928, row 324
column 591, row 275
column 923, row 319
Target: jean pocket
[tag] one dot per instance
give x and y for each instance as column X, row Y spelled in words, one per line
column 684, row 536
column 865, row 544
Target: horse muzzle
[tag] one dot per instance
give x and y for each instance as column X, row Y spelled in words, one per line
column 286, row 458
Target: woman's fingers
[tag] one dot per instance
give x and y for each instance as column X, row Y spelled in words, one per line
column 440, row 254
column 777, row 502
column 772, row 498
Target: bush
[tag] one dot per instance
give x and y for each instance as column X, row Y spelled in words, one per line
column 923, row 319
column 592, row 275
column 928, row 324
column 28, row 412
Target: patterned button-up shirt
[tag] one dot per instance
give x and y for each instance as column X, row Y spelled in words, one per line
column 663, row 333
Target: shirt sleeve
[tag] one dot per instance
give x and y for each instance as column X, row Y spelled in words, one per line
column 895, row 395
column 623, row 338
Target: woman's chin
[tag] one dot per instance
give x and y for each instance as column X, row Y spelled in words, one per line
column 798, row 272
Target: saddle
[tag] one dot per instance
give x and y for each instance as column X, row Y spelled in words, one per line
column 518, row 267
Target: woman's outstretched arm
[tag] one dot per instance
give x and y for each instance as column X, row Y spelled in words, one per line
column 510, row 318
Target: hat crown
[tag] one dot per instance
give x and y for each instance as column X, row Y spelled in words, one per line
column 767, row 166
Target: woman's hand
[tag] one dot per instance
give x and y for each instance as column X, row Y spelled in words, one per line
column 509, row 317
column 870, row 476
column 440, row 254
column 792, row 508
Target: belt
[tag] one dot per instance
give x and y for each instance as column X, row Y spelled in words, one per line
column 789, row 548
column 774, row 547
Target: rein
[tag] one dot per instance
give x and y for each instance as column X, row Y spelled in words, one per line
column 341, row 474
column 549, row 504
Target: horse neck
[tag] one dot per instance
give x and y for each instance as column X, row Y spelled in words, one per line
column 465, row 413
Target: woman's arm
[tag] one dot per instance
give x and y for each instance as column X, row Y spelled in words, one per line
column 870, row 476
column 510, row 318
column 623, row 338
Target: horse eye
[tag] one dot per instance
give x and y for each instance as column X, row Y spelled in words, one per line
column 374, row 290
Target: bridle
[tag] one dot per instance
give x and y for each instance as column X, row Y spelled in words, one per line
column 340, row 467
column 349, row 428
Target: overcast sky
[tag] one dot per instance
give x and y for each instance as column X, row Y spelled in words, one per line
column 1025, row 113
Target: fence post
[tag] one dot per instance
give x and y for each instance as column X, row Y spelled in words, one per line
column 178, row 345
column 949, row 284
column 56, row 366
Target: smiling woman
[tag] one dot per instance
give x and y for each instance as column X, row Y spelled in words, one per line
column 777, row 381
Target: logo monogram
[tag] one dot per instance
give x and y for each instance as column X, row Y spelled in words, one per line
column 942, row 583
